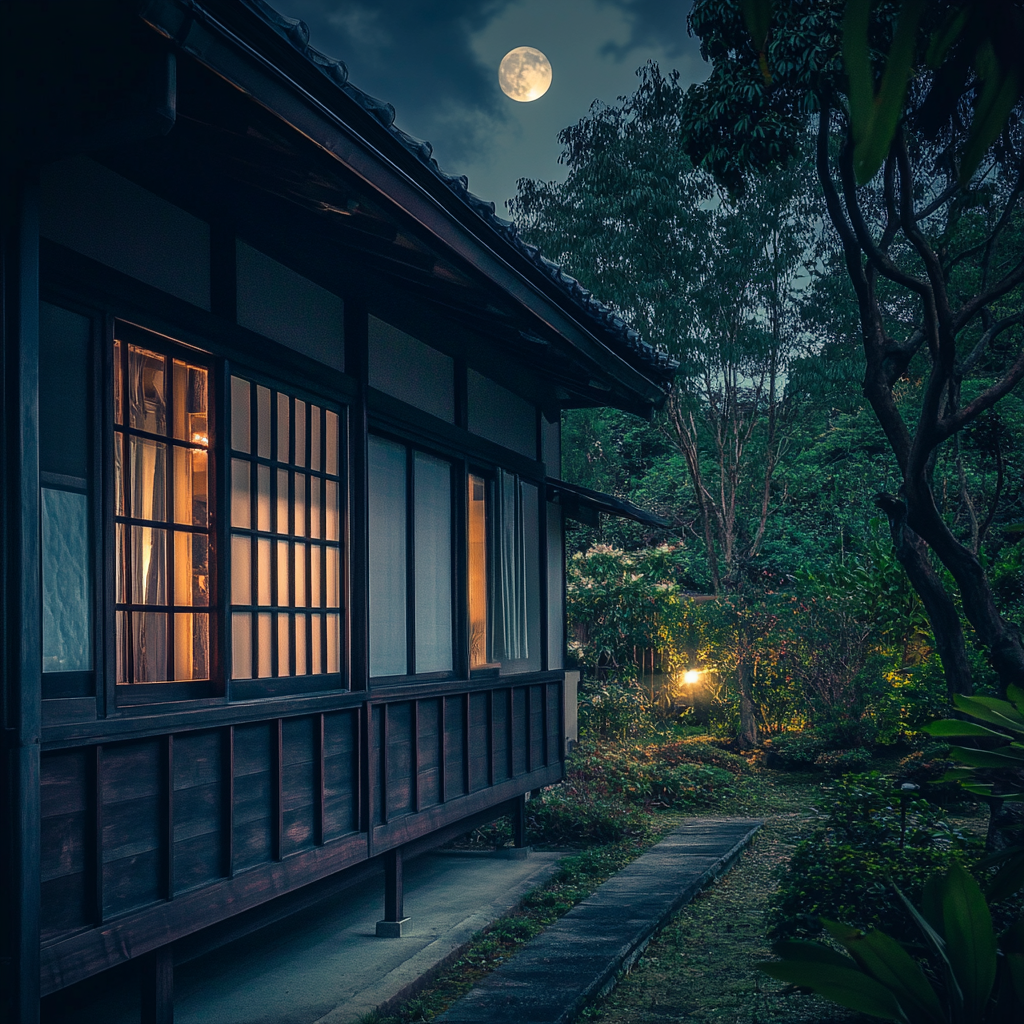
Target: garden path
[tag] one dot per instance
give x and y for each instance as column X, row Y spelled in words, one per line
column 579, row 956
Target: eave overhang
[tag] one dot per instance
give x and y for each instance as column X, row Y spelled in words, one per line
column 586, row 505
column 238, row 43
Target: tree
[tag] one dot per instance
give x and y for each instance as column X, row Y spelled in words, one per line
column 711, row 279
column 935, row 263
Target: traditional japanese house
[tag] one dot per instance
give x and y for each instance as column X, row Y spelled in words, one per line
column 282, row 526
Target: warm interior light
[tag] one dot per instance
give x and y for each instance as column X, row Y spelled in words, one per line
column 201, row 439
column 478, row 639
column 691, row 676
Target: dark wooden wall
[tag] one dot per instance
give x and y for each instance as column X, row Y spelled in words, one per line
column 150, row 839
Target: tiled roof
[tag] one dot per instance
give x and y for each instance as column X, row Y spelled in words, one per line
column 655, row 362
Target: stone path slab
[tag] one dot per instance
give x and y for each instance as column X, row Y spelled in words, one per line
column 578, row 957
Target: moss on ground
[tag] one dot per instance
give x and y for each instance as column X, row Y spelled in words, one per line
column 702, row 966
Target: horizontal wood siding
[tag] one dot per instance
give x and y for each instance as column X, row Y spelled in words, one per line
column 68, row 811
column 499, row 735
column 376, row 765
column 400, row 778
column 299, row 784
column 554, row 722
column 341, row 774
column 428, row 749
column 198, row 809
column 520, row 736
column 253, row 812
column 132, row 788
column 536, row 743
column 479, row 742
column 455, row 752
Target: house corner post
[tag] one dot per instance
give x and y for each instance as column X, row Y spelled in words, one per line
column 22, row 650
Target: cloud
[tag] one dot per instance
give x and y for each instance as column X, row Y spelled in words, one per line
column 658, row 23
column 416, row 55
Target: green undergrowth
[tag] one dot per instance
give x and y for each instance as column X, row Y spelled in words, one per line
column 701, row 966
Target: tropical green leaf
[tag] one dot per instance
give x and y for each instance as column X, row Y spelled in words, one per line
column 857, row 63
column 889, row 963
column 1016, row 696
column 811, row 952
column 758, row 16
column 988, row 758
column 954, row 727
column 870, row 151
column 991, row 710
column 970, row 939
column 1011, row 944
column 848, row 987
column 944, row 37
column 929, row 930
column 1010, row 876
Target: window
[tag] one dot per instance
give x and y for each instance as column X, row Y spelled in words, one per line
column 162, row 513
column 504, row 573
column 66, row 503
column 479, row 573
column 285, row 536
column 410, row 561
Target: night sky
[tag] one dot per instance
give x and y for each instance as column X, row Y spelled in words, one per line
column 436, row 62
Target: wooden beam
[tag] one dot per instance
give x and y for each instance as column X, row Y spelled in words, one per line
column 22, row 658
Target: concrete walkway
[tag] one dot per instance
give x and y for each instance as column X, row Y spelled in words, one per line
column 578, row 957
column 325, row 965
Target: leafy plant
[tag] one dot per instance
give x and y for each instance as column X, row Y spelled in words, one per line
column 873, row 835
column 995, row 769
column 844, row 762
column 974, row 976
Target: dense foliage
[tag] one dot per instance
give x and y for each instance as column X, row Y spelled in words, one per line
column 773, row 458
column 873, row 836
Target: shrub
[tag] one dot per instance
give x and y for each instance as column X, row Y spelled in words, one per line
column 794, row 750
column 688, row 785
column 613, row 710
column 843, row 762
column 577, row 819
column 697, row 750
column 926, row 768
column 846, row 869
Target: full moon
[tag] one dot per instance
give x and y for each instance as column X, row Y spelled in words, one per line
column 524, row 74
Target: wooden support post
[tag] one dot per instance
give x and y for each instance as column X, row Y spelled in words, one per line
column 158, row 987
column 519, row 850
column 394, row 897
column 519, row 822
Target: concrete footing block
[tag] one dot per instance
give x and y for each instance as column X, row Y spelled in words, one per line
column 390, row 929
column 514, row 852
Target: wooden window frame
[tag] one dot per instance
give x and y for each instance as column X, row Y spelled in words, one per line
column 460, row 653
column 131, row 693
column 256, row 687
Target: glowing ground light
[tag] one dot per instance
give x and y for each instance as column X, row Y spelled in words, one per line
column 691, row 676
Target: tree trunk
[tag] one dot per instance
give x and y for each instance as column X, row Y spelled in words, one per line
column 912, row 554
column 748, row 721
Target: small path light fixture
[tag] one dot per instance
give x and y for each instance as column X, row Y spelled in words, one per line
column 906, row 791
